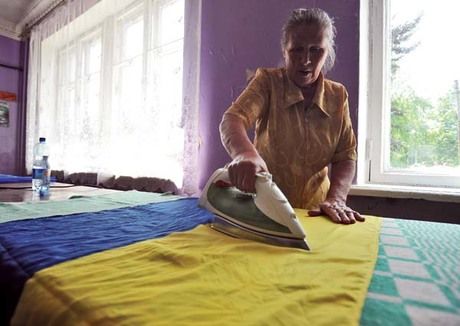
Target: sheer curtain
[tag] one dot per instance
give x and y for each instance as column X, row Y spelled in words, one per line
column 114, row 88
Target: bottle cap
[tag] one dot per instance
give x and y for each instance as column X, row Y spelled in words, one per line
column 42, row 139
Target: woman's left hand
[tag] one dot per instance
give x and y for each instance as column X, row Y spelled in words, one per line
column 338, row 212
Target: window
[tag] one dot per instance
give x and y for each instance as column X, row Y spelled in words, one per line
column 79, row 67
column 412, row 136
column 111, row 90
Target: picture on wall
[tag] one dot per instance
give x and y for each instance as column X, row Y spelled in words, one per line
column 4, row 114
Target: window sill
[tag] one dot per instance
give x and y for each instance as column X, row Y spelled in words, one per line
column 451, row 195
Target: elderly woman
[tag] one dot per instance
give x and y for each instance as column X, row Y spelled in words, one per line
column 302, row 123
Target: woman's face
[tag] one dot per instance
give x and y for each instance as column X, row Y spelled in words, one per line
column 305, row 54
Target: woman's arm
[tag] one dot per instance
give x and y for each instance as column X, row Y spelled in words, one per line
column 234, row 136
column 342, row 174
column 334, row 206
column 246, row 160
column 343, row 169
column 239, row 117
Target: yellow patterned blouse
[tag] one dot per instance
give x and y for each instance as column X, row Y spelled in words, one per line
column 297, row 143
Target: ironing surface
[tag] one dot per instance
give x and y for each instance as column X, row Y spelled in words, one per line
column 265, row 216
column 79, row 204
column 204, row 277
column 415, row 278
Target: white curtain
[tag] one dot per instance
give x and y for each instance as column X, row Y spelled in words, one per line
column 114, row 88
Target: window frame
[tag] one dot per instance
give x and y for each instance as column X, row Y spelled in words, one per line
column 375, row 121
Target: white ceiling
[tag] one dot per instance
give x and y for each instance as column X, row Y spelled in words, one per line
column 14, row 10
column 15, row 14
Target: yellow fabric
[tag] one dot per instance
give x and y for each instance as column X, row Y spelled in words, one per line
column 296, row 143
column 202, row 277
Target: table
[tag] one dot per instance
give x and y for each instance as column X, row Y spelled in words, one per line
column 22, row 192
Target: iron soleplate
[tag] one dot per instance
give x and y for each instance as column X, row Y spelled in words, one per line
column 225, row 226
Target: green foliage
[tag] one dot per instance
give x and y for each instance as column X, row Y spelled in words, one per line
column 423, row 134
column 445, row 136
column 408, row 128
column 400, row 37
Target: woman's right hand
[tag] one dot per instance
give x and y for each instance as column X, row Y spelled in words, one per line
column 242, row 171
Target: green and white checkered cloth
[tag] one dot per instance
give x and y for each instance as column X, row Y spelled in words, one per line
column 416, row 280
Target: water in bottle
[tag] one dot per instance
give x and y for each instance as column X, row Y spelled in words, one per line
column 46, row 177
column 41, row 169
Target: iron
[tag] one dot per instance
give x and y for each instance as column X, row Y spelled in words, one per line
column 265, row 216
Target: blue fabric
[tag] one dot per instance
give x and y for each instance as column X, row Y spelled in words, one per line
column 6, row 178
column 28, row 246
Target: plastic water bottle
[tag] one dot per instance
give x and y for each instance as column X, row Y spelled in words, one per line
column 41, row 168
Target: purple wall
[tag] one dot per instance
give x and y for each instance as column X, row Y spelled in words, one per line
column 245, row 34
column 236, row 35
column 11, row 53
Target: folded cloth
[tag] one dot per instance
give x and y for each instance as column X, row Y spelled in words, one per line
column 6, row 178
column 204, row 277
